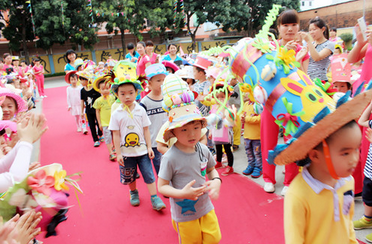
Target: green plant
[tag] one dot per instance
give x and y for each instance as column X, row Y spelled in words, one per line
column 346, row 37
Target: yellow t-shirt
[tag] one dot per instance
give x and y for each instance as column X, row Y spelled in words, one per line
column 104, row 107
column 252, row 125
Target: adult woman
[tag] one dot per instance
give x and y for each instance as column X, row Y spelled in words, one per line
column 320, row 49
column 142, row 64
column 154, row 58
column 132, row 55
column 24, row 67
column 172, row 56
column 71, row 57
column 38, row 70
column 7, row 61
column 16, row 68
column 288, row 26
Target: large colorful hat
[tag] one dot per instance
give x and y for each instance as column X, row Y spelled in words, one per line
column 78, row 62
column 99, row 80
column 21, row 104
column 125, row 72
column 155, row 69
column 341, row 69
column 67, row 76
column 87, row 74
column 187, row 72
column 179, row 102
column 305, row 110
column 202, row 62
column 169, row 64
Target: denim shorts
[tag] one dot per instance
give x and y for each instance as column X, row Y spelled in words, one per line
column 128, row 172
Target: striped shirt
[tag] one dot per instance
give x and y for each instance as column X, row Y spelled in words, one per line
column 368, row 166
column 318, row 69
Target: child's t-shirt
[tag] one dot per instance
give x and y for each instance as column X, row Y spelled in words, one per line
column 156, row 114
column 89, row 97
column 202, row 88
column 180, row 168
column 132, row 139
column 252, row 125
column 104, row 106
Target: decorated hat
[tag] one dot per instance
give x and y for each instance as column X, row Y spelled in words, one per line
column 99, row 80
column 341, row 69
column 14, row 58
column 155, row 69
column 179, row 102
column 202, row 62
column 186, row 72
column 169, row 64
column 125, row 72
column 21, row 104
column 306, row 112
column 78, row 62
column 68, row 75
column 87, row 74
column 5, row 124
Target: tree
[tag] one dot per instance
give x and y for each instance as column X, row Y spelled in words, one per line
column 18, row 27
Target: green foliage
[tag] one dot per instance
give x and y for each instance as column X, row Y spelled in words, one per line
column 346, row 37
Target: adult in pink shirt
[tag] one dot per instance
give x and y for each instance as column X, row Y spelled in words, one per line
column 288, row 26
column 7, row 61
column 362, row 49
column 154, row 58
column 142, row 63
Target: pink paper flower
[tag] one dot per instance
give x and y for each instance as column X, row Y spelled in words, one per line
column 41, row 182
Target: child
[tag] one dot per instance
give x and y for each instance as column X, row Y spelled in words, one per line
column 88, row 96
column 131, row 135
column 152, row 103
column 103, row 110
column 12, row 105
column 252, row 141
column 182, row 178
column 235, row 100
column 202, row 85
column 341, row 73
column 73, row 100
column 221, row 131
column 366, row 221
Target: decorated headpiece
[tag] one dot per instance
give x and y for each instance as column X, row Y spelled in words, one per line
column 155, row 69
column 202, row 62
column 78, row 62
column 99, row 80
column 186, row 72
column 341, row 69
column 125, row 72
column 169, row 64
column 68, row 75
column 306, row 112
column 179, row 102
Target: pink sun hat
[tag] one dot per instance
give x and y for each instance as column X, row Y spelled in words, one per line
column 170, row 65
column 21, row 104
column 4, row 124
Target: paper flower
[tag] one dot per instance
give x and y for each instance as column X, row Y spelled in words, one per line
column 326, row 86
column 289, row 119
column 59, row 177
column 41, row 182
column 262, row 44
column 285, row 58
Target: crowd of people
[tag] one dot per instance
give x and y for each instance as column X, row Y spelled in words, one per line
column 184, row 116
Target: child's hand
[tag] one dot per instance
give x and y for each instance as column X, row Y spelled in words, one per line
column 369, row 135
column 31, row 129
column 69, row 108
column 34, row 165
column 25, row 228
column 213, row 186
column 119, row 159
column 151, row 153
column 100, row 127
column 192, row 193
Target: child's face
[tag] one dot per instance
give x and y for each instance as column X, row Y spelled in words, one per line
column 83, row 81
column 233, row 82
column 337, row 52
column 104, row 88
column 9, row 108
column 127, row 94
column 196, row 73
column 189, row 134
column 344, row 150
column 341, row 86
column 73, row 80
column 156, row 82
column 221, row 96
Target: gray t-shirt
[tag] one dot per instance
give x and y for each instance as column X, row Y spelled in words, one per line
column 319, row 69
column 235, row 97
column 179, row 169
column 156, row 114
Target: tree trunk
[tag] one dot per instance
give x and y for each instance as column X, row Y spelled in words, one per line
column 122, row 33
column 24, row 43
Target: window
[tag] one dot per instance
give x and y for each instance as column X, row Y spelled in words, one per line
column 310, row 3
column 303, row 3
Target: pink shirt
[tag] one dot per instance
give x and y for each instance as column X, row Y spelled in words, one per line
column 366, row 74
column 153, row 58
column 141, row 65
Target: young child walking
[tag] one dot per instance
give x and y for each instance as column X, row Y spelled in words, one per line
column 73, row 99
column 130, row 127
column 88, row 96
column 252, row 141
column 103, row 110
column 222, row 123
column 152, row 103
column 182, row 177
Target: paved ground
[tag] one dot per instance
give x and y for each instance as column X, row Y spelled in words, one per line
column 240, row 160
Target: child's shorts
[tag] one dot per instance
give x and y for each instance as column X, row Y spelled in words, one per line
column 203, row 230
column 367, row 191
column 128, row 172
column 107, row 135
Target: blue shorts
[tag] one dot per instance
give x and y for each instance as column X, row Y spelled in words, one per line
column 128, row 172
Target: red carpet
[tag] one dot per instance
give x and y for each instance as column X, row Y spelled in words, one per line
column 246, row 213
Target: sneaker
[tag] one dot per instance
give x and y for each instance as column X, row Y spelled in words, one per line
column 85, row 132
column 218, row 165
column 235, row 147
column 96, row 144
column 284, row 190
column 102, row 139
column 257, row 172
column 157, row 203
column 248, row 170
column 269, row 187
column 134, row 198
column 138, row 175
column 362, row 223
column 229, row 170
column 369, row 238
column 79, row 130
column 112, row 157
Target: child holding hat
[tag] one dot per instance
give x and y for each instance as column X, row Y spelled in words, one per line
column 183, row 169
column 152, row 103
column 130, row 127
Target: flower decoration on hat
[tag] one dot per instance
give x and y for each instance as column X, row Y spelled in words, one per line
column 285, row 58
column 41, row 182
column 326, row 86
column 288, row 120
column 263, row 44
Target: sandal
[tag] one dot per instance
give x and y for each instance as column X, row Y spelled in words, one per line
column 112, row 157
